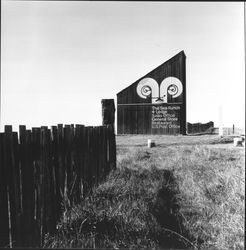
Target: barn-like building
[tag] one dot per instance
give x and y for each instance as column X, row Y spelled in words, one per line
column 155, row 103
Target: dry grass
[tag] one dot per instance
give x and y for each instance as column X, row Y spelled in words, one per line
column 170, row 140
column 208, row 191
column 210, row 175
column 212, row 195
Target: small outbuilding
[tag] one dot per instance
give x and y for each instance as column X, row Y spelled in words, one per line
column 155, row 103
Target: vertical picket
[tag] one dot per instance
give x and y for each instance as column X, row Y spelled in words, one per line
column 4, row 226
column 77, row 152
column 42, row 182
column 94, row 156
column 113, row 149
column 12, row 171
column 104, row 151
column 82, row 139
column 100, row 157
column 55, row 173
column 27, row 187
column 49, row 186
column 61, row 165
column 68, row 165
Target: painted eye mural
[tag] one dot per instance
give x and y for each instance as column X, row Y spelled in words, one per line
column 170, row 85
column 172, row 89
column 147, row 87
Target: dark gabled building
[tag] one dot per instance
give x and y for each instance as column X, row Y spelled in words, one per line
column 155, row 103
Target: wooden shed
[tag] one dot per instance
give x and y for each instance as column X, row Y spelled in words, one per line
column 155, row 103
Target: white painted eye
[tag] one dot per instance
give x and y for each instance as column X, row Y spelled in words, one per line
column 146, row 87
column 172, row 86
column 146, row 90
column 172, row 90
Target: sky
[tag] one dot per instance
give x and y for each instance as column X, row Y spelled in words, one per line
column 60, row 58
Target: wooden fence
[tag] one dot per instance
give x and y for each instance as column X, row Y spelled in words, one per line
column 42, row 171
column 196, row 128
column 229, row 131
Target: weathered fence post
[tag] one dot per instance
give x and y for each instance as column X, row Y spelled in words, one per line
column 108, row 112
column 13, row 187
column 27, row 152
column 4, row 226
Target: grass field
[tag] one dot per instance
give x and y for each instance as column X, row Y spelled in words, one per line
column 187, row 192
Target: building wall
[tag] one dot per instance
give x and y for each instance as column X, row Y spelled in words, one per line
column 148, row 107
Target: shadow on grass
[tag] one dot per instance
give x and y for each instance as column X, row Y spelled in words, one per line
column 166, row 211
column 135, row 208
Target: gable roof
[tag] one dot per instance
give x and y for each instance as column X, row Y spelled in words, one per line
column 168, row 61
